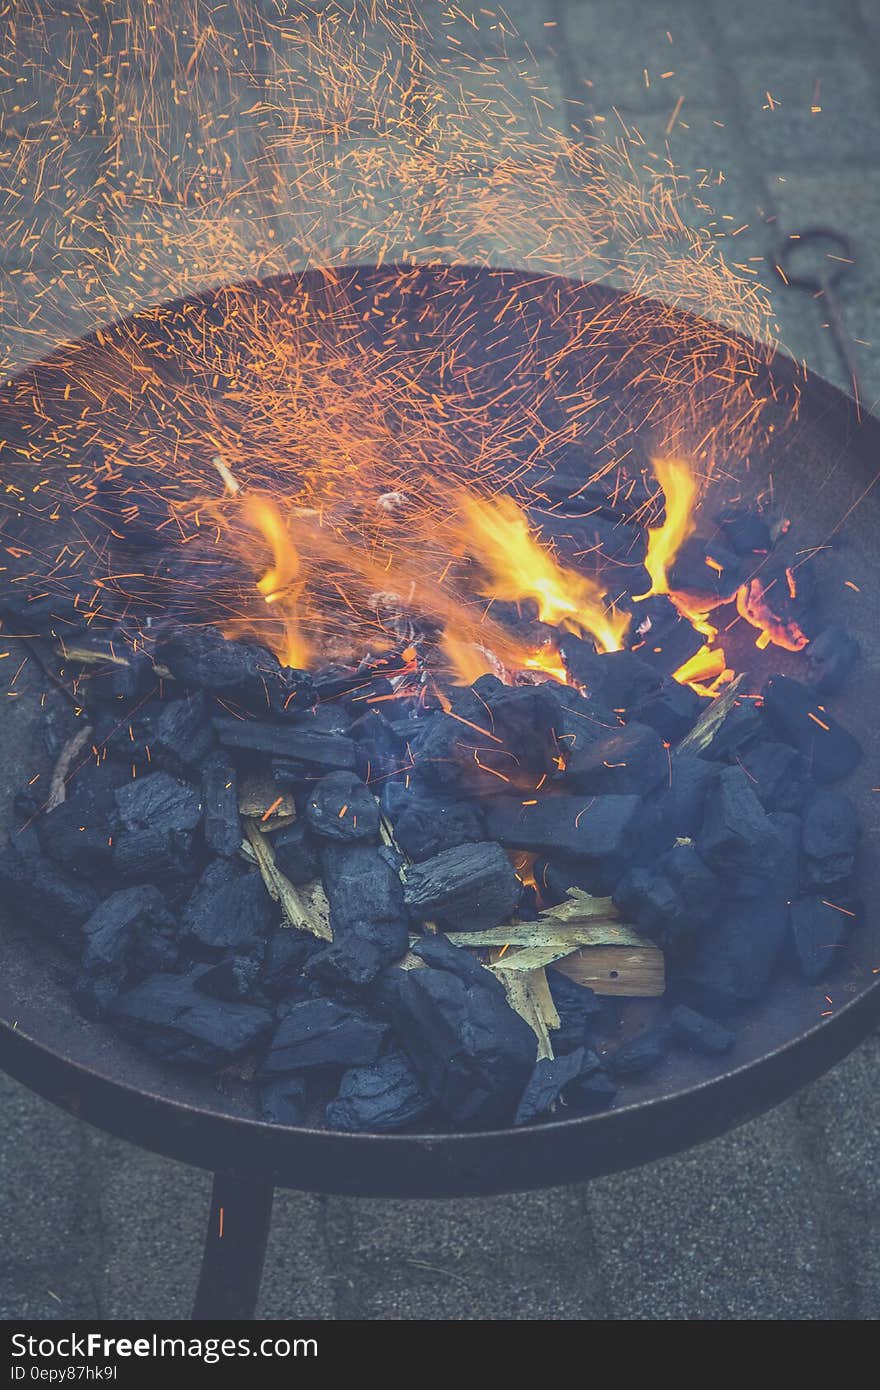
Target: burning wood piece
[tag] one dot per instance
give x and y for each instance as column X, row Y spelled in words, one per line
column 378, row 1099
column 830, row 659
column 229, row 909
column 580, row 827
column 630, row 762
column 662, row 637
column 473, row 1054
column 301, row 749
column 172, row 1020
column 550, row 1080
column 701, row 1034
column 706, row 572
column 367, row 915
column 295, row 854
column 469, row 887
column 320, row 1033
column 781, row 603
column 831, row 835
column 818, row 930
column 36, row 889
column 301, row 910
column 220, row 799
column 798, row 716
column 341, row 807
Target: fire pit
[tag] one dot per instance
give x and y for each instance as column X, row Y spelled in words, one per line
column 809, row 464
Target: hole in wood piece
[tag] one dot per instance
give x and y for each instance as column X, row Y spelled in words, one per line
column 613, row 974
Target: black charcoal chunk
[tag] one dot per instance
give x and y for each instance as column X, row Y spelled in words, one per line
column 300, row 747
column 172, row 1020
column 37, row 889
column 661, row 636
column 158, row 803
column 739, row 729
column 797, row 715
column 436, row 949
column 523, row 717
column 204, row 658
column 549, row 1079
column 287, row 952
column 640, row 1054
column 178, row 732
column 367, row 915
column 676, row 810
column 697, row 886
column 735, row 838
column 79, row 838
column 616, row 680
column 426, row 826
column 235, row 977
column 220, row 800
column 701, row 1034
column 588, row 1094
column 378, row 1099
column 779, row 775
column 468, row 888
column 707, row 570
column 123, row 683
column 745, row 531
column 341, row 807
column 819, row 929
column 830, row 658
column 283, row 1102
column 574, row 827
column 831, row 835
column 472, row 1053
column 735, row 956
column 132, row 932
column 295, row 855
column 445, row 752
column 670, row 901
column 631, row 762
column 320, row 1033
column 670, row 711
column 153, row 854
column 579, row 1009
column 230, row 909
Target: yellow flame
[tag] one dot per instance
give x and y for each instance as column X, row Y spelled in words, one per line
column 495, row 532
column 665, row 541
column 705, row 672
column 281, row 583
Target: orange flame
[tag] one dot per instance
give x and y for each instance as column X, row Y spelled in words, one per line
column 665, row 541
column 752, row 604
column 281, row 584
column 495, row 532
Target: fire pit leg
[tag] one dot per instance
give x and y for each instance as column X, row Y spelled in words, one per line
column 235, row 1247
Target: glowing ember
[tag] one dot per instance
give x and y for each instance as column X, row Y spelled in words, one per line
column 753, row 602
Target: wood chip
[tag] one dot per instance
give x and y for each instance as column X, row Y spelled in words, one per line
column 306, row 908
column 257, row 795
column 528, row 994
column 58, row 784
column 620, row 970
column 704, row 730
column 540, row 934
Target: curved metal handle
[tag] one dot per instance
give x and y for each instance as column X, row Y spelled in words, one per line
column 839, row 260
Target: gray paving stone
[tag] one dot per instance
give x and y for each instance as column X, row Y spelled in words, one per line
column 300, row 1279
column 791, row 134
column 808, row 26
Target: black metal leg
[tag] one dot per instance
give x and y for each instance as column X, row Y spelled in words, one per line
column 235, row 1247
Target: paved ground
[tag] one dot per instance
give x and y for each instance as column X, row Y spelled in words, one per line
column 778, row 1220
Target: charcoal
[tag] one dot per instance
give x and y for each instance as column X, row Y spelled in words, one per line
column 37, row 889
column 699, row 1033
column 676, row 809
column 670, row 711
column 320, row 1033
column 670, row 901
column 472, row 1053
column 323, row 719
column 202, row 657
column 141, row 855
column 744, row 531
column 575, row 827
column 587, row 1094
column 523, row 717
column 468, row 888
column 818, row 932
column 781, row 603
column 617, row 680
column 175, row 734
column 223, row 833
column 661, row 636
column 428, row 825
column 436, row 949
column 295, row 855
column 230, row 909
column 122, row 684
column 341, row 807
column 735, row 956
column 741, row 727
column 579, row 1009
column 172, row 1020
column 697, row 886
column 630, row 762
column 287, row 951
column 830, row 657
column 778, row 774
column 78, row 839
column 159, row 804
column 831, row 835
column 797, row 715
column 367, row 915
column 445, row 752
column 235, row 977
column 707, row 571
column 132, row 932
column 557, row 875
column 549, row 1079
column 640, row 1054
column 379, row 744
column 378, row 1099
column 283, row 1102
column 786, row 857
column 734, row 837
column 301, row 747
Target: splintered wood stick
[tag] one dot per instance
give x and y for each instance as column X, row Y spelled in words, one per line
column 58, row 784
column 528, row 994
column 312, row 915
column 704, row 730
column 638, row 972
